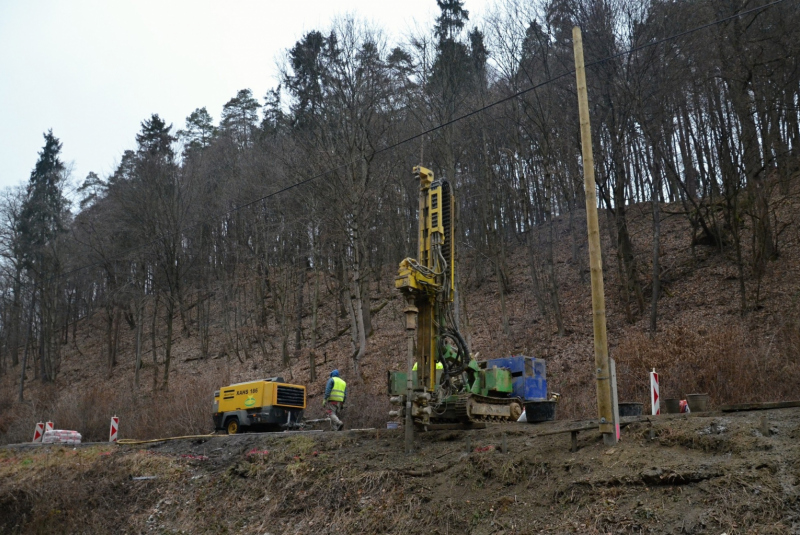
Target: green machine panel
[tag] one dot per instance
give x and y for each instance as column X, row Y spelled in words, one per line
column 397, row 382
column 493, row 381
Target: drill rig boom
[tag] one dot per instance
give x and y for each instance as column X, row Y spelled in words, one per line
column 428, row 283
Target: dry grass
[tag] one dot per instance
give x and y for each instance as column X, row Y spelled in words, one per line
column 728, row 363
column 46, row 491
column 185, row 409
column 366, row 410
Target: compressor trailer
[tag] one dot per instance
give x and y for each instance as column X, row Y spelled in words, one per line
column 263, row 405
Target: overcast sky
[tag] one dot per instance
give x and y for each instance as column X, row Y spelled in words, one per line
column 94, row 70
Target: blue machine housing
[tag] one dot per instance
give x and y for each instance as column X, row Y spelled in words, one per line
column 528, row 376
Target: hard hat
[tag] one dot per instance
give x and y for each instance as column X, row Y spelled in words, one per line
column 335, row 373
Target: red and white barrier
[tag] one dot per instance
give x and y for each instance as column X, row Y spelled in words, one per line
column 655, row 403
column 61, row 436
column 48, row 427
column 112, row 435
column 38, row 433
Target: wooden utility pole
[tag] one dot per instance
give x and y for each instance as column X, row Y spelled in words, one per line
column 602, row 367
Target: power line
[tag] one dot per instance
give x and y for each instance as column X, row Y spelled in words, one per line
column 427, row 132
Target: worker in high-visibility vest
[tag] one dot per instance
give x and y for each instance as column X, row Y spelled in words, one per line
column 450, row 353
column 439, row 366
column 334, row 398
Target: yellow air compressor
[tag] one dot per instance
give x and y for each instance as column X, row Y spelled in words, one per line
column 263, row 405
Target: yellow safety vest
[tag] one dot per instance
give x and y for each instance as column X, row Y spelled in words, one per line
column 337, row 392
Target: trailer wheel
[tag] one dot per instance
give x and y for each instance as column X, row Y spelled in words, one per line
column 232, row 427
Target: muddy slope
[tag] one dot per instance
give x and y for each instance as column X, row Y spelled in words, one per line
column 709, row 473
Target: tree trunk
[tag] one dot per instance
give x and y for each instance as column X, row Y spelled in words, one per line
column 66, row 317
column 110, row 338
column 366, row 306
column 343, row 287
column 551, row 273
column 115, row 346
column 577, row 258
column 77, row 316
column 625, row 255
column 153, row 338
column 43, row 335
column 168, row 343
column 139, row 320
column 536, row 277
column 4, row 335
column 16, row 309
column 203, row 325
column 656, row 249
column 298, row 331
column 739, row 90
column 502, row 291
column 315, row 307
column 25, row 349
column 359, row 338
column 284, row 322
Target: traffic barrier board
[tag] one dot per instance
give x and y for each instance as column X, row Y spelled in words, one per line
column 39, row 432
column 112, row 436
column 655, row 403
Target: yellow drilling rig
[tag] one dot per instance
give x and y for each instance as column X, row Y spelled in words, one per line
column 447, row 385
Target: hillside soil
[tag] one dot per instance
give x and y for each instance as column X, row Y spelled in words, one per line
column 700, row 473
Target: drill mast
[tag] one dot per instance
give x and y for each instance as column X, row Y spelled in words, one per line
column 429, row 285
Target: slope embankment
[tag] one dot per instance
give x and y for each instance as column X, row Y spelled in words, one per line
column 703, row 473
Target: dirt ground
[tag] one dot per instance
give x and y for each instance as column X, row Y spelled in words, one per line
column 701, row 473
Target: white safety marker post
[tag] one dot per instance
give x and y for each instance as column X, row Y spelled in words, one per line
column 614, row 399
column 38, row 433
column 655, row 403
column 48, row 427
column 112, row 435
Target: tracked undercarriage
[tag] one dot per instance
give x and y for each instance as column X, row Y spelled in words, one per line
column 470, row 408
column 429, row 409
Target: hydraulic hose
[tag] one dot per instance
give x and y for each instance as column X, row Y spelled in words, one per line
column 130, row 441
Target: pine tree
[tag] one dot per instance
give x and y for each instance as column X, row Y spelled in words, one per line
column 91, row 189
column 155, row 139
column 199, row 131
column 273, row 112
column 43, row 210
column 451, row 20
column 42, row 221
column 239, row 118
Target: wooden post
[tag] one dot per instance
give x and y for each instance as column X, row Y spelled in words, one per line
column 602, row 367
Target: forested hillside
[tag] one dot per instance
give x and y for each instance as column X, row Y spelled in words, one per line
column 266, row 242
